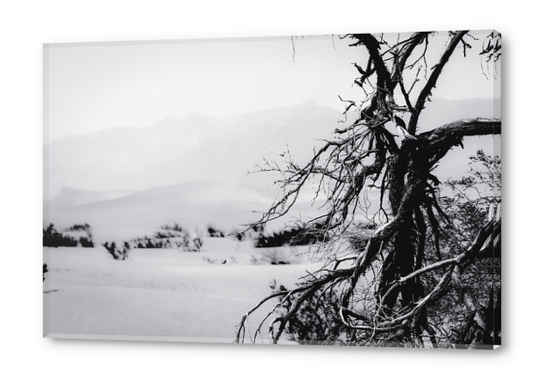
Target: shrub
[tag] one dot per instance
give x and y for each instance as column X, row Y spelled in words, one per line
column 52, row 238
column 240, row 236
column 273, row 257
column 86, row 242
column 296, row 236
column 81, row 227
column 175, row 227
column 170, row 236
column 117, row 253
column 215, row 233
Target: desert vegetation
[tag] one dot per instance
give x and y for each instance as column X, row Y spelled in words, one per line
column 168, row 237
column 120, row 252
column 295, row 236
column 54, row 238
column 427, row 274
column 214, row 232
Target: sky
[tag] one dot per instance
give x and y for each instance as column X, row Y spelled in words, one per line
column 93, row 86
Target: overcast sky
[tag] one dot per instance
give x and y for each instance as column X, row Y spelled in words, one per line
column 95, row 86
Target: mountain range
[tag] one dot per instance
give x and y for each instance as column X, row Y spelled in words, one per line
column 197, row 165
column 174, row 151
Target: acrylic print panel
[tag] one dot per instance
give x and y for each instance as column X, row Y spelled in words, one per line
column 334, row 190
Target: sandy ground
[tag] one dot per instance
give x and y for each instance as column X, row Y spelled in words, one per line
column 161, row 294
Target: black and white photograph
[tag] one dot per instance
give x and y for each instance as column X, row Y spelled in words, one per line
column 339, row 190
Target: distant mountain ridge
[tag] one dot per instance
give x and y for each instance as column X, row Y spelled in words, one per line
column 197, row 147
column 192, row 205
column 192, row 170
column 172, row 151
column 72, row 197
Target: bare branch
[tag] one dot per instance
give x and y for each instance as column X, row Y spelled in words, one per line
column 431, row 83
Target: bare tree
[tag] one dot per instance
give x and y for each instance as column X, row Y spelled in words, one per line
column 381, row 289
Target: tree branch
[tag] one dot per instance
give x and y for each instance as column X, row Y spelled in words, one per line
column 442, row 139
column 432, row 81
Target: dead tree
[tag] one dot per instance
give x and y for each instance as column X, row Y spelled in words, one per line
column 386, row 287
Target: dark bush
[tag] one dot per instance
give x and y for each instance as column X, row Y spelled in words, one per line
column 238, row 235
column 213, row 232
column 119, row 254
column 175, row 227
column 274, row 256
column 81, row 227
column 170, row 236
column 52, row 238
column 86, row 242
column 296, row 236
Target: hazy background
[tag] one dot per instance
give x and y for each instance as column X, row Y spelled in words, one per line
column 141, row 134
column 95, row 86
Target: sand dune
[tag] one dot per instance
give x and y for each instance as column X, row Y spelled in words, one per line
column 157, row 294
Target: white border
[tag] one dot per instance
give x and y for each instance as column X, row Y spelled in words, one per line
column 26, row 25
